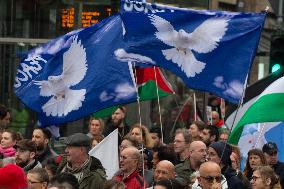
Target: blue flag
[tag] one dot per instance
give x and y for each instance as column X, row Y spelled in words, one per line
column 211, row 51
column 76, row 74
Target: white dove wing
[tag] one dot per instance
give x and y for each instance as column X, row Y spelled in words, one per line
column 74, row 63
column 45, row 88
column 166, row 31
column 205, row 37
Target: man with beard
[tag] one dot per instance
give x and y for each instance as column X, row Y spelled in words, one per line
column 209, row 134
column 118, row 121
column 41, row 137
column 26, row 155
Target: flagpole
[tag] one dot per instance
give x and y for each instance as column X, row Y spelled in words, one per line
column 159, row 105
column 134, row 78
column 139, row 114
column 194, row 104
column 180, row 111
column 235, row 116
column 261, row 125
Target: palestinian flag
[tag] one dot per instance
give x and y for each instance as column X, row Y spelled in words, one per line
column 266, row 107
column 147, row 87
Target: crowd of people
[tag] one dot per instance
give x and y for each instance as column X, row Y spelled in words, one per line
column 197, row 157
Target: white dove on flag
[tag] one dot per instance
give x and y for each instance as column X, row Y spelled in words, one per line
column 64, row 100
column 203, row 39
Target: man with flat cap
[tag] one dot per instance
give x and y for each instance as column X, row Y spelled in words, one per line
column 270, row 151
column 88, row 170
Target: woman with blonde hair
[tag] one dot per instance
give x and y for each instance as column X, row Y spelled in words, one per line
column 142, row 135
column 96, row 127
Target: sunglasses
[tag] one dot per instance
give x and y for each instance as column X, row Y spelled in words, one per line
column 211, row 179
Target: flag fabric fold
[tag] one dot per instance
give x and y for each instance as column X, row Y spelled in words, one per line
column 149, row 80
column 76, row 74
column 107, row 152
column 267, row 107
column 209, row 50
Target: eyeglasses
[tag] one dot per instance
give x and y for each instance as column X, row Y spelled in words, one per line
column 33, row 182
column 254, row 178
column 211, row 179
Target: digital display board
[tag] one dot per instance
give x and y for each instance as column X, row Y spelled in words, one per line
column 91, row 14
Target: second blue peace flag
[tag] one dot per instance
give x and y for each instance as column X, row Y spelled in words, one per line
column 211, row 51
column 76, row 74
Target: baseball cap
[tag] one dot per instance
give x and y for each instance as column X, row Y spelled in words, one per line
column 77, row 139
column 269, row 148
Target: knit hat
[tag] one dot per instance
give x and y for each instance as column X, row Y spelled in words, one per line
column 224, row 151
column 12, row 177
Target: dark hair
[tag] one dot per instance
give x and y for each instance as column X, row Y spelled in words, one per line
column 200, row 125
column 3, row 111
column 248, row 170
column 213, row 131
column 186, row 135
column 156, row 130
column 64, row 177
column 41, row 174
column 166, row 153
column 113, row 184
column 97, row 138
column 267, row 172
column 46, row 133
column 170, row 184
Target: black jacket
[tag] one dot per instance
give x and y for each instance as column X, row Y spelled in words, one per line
column 279, row 170
column 234, row 182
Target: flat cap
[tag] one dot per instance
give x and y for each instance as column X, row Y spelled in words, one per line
column 77, row 139
column 27, row 145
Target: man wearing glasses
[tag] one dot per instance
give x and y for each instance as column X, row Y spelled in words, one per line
column 37, row 178
column 210, row 176
column 181, row 143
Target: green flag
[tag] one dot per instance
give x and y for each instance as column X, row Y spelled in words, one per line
column 267, row 107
